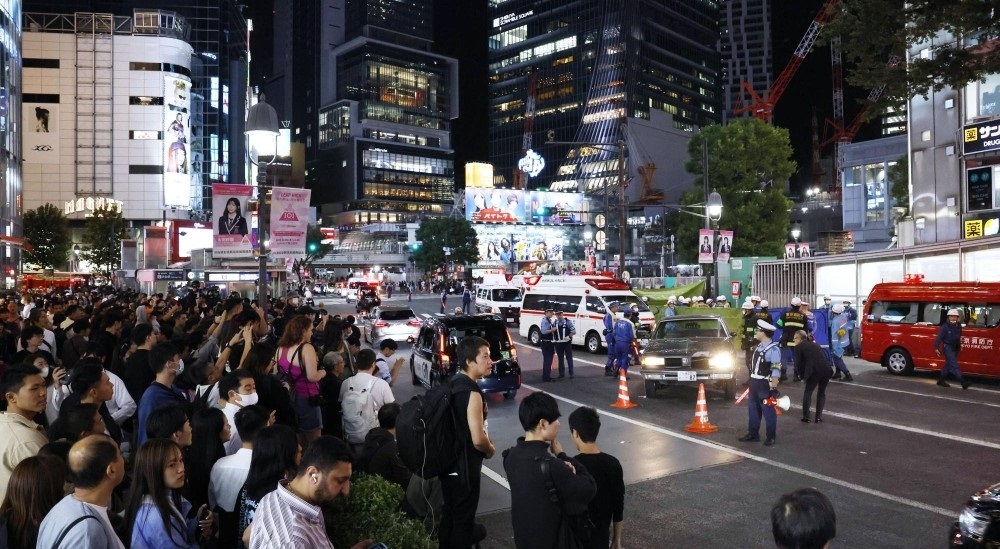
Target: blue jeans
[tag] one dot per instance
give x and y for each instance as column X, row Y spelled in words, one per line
column 760, row 389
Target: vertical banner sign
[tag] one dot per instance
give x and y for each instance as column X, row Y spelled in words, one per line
column 725, row 245
column 231, row 236
column 176, row 142
column 790, row 250
column 706, row 249
column 289, row 220
column 803, row 250
column 41, row 133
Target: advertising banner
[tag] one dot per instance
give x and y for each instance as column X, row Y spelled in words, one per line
column 176, row 142
column 494, row 205
column 41, row 132
column 981, row 137
column 706, row 248
column 725, row 245
column 289, row 221
column 231, row 238
column 790, row 250
column 553, row 208
column 500, row 245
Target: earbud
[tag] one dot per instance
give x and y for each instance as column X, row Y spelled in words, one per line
column 315, row 478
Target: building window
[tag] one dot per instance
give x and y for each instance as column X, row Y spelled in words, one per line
column 144, row 100
column 39, row 63
column 145, row 135
column 140, row 66
column 145, row 169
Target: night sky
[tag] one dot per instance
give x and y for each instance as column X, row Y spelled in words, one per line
column 458, row 34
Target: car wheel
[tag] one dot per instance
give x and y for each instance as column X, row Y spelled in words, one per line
column 898, row 361
column 593, row 343
column 509, row 395
column 535, row 336
column 729, row 389
column 413, row 373
column 650, row 389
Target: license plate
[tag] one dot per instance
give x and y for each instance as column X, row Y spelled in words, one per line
column 687, row 376
column 722, row 376
column 510, row 319
column 643, row 342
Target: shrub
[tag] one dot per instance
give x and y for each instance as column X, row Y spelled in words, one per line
column 372, row 511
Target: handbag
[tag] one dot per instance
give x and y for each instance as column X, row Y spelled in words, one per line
column 574, row 530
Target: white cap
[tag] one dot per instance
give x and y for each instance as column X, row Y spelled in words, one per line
column 953, row 312
column 764, row 303
column 721, row 298
column 709, row 300
column 826, row 297
column 796, row 301
column 838, row 308
column 765, row 325
column 747, row 306
column 754, row 298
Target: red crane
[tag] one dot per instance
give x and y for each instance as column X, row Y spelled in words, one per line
column 762, row 108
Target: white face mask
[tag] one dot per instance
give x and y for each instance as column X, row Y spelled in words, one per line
column 44, row 371
column 248, row 400
column 180, row 366
column 295, row 302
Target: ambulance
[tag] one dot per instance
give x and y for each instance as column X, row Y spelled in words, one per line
column 583, row 299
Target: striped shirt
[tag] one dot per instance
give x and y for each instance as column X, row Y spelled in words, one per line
column 285, row 521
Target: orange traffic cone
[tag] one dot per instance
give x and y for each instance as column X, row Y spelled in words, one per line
column 623, row 400
column 700, row 423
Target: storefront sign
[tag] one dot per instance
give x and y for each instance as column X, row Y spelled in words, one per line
column 168, row 275
column 980, row 225
column 982, row 137
column 89, row 204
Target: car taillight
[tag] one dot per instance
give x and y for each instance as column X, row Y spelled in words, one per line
column 413, row 322
column 381, row 324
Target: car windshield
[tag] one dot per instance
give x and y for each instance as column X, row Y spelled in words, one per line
column 496, row 334
column 689, row 328
column 397, row 314
column 507, row 294
column 631, row 299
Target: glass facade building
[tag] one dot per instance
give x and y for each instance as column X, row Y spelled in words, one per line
column 578, row 70
column 745, row 48
column 11, row 229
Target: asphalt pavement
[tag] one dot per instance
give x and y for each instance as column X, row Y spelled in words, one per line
column 898, row 456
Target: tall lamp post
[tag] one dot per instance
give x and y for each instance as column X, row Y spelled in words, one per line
column 261, row 127
column 713, row 212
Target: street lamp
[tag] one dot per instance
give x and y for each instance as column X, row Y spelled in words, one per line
column 796, row 231
column 262, row 127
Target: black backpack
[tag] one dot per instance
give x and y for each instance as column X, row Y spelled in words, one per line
column 427, row 433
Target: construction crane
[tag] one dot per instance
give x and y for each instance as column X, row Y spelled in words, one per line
column 520, row 176
column 762, row 107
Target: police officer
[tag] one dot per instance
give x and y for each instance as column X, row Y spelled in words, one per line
column 548, row 330
column 671, row 308
column 790, row 321
column 765, row 369
column 748, row 342
column 852, row 323
column 949, row 342
column 624, row 337
column 565, row 330
column 609, row 336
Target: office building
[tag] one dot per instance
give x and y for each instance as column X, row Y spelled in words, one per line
column 745, row 48
column 11, row 207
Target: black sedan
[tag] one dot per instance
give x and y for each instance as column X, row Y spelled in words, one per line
column 689, row 349
column 978, row 525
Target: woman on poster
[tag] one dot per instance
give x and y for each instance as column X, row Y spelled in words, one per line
column 232, row 221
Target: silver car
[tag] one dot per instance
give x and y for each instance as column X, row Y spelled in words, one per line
column 396, row 323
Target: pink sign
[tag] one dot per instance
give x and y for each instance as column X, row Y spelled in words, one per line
column 231, row 234
column 706, row 248
column 725, row 245
column 289, row 221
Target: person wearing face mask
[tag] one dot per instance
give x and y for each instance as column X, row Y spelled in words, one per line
column 238, row 390
column 166, row 362
column 56, row 392
column 230, row 472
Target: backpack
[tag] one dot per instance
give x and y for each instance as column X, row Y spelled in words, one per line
column 427, row 433
column 358, row 411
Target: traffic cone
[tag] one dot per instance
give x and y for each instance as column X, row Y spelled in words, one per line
column 700, row 423
column 623, row 400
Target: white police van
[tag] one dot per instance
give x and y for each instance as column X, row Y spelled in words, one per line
column 583, row 299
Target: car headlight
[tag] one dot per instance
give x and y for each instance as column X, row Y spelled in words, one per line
column 721, row 361
column 653, row 361
column 971, row 524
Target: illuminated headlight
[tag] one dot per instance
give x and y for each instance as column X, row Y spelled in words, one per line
column 971, row 524
column 653, row 361
column 721, row 361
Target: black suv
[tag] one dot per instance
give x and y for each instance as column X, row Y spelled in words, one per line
column 978, row 525
column 435, row 359
column 368, row 301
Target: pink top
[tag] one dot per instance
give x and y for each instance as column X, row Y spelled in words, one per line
column 296, row 372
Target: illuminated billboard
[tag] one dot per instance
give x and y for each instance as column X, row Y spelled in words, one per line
column 176, row 142
column 515, row 206
column 502, row 244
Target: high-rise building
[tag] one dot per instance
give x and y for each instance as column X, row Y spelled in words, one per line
column 216, row 31
column 11, row 205
column 745, row 48
column 386, row 102
column 579, row 70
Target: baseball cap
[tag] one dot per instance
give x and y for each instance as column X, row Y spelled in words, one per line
column 953, row 312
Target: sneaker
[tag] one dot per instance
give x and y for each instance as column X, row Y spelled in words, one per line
column 769, row 442
column 805, row 420
column 797, row 379
column 848, row 377
column 749, row 437
column 965, row 384
column 837, row 375
column 818, row 420
column 943, row 383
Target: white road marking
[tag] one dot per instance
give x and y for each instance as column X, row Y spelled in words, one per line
column 942, row 397
column 746, row 455
column 496, row 477
column 938, row 434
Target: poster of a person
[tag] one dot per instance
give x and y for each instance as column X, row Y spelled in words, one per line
column 803, row 250
column 725, row 245
column 790, row 251
column 706, row 250
column 232, row 221
column 231, row 237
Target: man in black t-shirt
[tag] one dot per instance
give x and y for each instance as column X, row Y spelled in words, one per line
column 608, row 506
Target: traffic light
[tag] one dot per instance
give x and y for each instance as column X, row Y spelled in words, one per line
column 312, row 247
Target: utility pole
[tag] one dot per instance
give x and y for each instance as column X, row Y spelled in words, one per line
column 622, row 227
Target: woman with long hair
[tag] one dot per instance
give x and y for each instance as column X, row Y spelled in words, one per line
column 298, row 367
column 276, row 455
column 232, row 221
column 34, row 488
column 273, row 396
column 156, row 515
column 209, row 430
